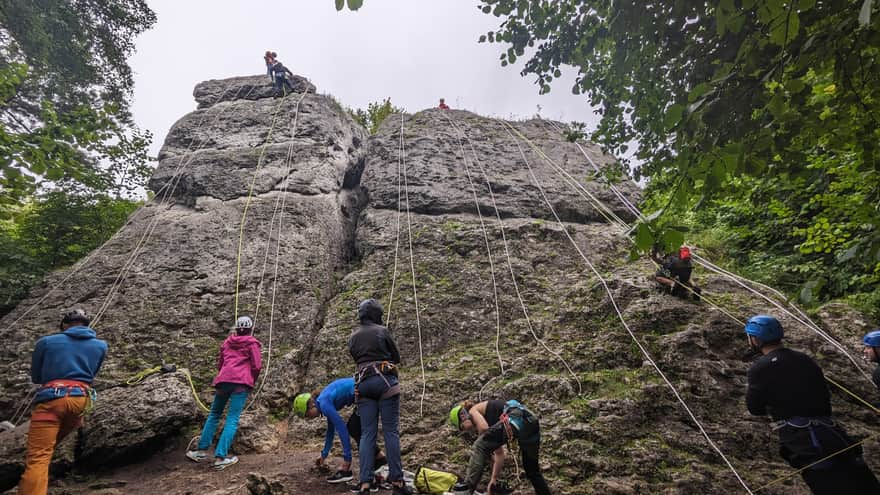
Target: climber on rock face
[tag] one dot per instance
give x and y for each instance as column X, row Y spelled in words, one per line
column 443, row 105
column 790, row 387
column 280, row 72
column 675, row 271
column 378, row 395
column 64, row 365
column 327, row 402
column 478, row 418
column 238, row 365
column 872, row 353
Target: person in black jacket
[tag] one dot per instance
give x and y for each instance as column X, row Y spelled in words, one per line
column 280, row 72
column 674, row 273
column 790, row 387
column 377, row 391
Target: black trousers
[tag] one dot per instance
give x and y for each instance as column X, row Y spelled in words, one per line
column 354, row 431
column 849, row 476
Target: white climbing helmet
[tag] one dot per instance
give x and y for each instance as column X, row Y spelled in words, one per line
column 244, row 322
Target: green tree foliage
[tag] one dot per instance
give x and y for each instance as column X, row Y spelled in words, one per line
column 734, row 101
column 375, row 114
column 52, row 231
column 64, row 91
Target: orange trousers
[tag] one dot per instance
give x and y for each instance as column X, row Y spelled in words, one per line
column 50, row 423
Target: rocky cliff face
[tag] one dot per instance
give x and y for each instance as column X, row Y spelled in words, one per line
column 443, row 210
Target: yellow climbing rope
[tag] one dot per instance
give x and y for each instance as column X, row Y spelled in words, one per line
column 140, row 376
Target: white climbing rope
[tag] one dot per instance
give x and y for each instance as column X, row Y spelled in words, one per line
column 510, row 263
column 413, row 270
column 488, row 247
column 623, row 321
column 397, row 230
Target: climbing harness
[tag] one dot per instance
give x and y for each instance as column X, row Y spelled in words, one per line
column 380, row 368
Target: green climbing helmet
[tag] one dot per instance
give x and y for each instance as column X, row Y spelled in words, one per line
column 454, row 420
column 301, row 404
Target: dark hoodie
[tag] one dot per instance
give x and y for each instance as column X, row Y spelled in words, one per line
column 239, row 361
column 75, row 354
column 372, row 342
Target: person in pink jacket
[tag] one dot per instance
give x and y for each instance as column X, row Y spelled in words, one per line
column 239, row 365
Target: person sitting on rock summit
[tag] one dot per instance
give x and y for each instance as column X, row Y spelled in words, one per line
column 790, row 387
column 327, row 402
column 478, row 418
column 516, row 424
column 64, row 365
column 280, row 72
column 376, row 358
column 238, row 363
column 872, row 353
column 443, row 105
column 674, row 273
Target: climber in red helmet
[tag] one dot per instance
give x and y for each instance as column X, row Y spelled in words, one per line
column 674, row 273
column 443, row 105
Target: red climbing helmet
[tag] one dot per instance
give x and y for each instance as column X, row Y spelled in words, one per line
column 684, row 253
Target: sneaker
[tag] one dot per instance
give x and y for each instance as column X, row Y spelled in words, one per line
column 340, row 477
column 224, row 462
column 356, row 488
column 401, row 490
column 196, row 455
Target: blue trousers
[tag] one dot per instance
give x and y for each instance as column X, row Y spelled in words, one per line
column 370, row 409
column 281, row 83
column 236, row 405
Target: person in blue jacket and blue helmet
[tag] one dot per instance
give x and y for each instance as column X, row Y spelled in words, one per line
column 327, row 402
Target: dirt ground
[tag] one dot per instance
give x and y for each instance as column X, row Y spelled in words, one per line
column 172, row 473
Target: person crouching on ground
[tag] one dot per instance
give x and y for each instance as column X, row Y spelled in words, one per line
column 378, row 390
column 518, row 424
column 328, row 402
column 790, row 387
column 477, row 418
column 64, row 365
column 239, row 364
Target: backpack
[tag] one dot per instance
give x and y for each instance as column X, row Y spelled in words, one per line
column 432, row 481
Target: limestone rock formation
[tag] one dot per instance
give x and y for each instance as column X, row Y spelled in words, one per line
column 450, row 220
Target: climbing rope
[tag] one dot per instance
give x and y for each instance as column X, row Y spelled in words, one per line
column 508, row 259
column 151, row 226
column 620, row 315
column 812, row 326
column 413, row 270
column 488, row 247
column 142, row 375
column 283, row 197
column 397, row 230
column 250, row 195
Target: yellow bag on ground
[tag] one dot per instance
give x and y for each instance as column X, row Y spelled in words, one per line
column 432, row 481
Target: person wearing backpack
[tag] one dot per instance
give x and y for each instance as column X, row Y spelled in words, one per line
column 872, row 353
column 516, row 424
column 239, row 364
column 377, row 389
column 64, row 366
column 789, row 386
column 478, row 417
column 674, row 273
column 327, row 402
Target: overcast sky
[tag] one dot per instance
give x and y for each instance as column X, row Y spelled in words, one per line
column 414, row 51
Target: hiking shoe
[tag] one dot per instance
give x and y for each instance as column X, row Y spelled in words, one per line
column 224, row 462
column 196, row 455
column 340, row 477
column 401, row 490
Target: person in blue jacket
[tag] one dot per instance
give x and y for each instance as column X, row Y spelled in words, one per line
column 336, row 396
column 64, row 366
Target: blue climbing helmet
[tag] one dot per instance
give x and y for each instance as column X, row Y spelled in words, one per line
column 766, row 328
column 872, row 338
